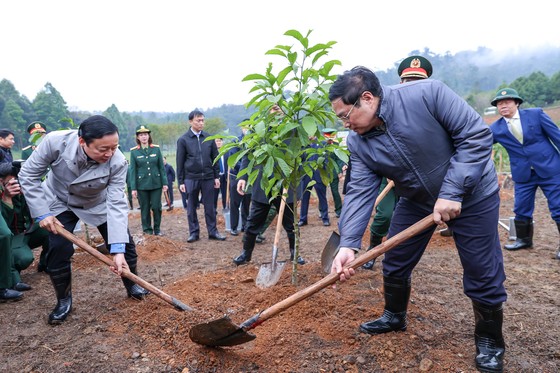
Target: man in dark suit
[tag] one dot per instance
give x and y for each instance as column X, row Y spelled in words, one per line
column 532, row 141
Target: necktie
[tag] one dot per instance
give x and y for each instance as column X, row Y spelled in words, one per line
column 515, row 128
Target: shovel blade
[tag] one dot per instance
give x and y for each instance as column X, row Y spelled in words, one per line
column 329, row 252
column 269, row 274
column 221, row 332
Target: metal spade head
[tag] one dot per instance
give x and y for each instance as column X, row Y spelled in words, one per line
column 221, row 332
column 269, row 273
column 329, row 252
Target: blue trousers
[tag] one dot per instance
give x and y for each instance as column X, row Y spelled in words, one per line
column 476, row 236
column 321, row 190
column 524, row 204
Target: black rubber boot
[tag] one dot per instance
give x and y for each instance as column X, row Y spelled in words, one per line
column 292, row 241
column 558, row 249
column 248, row 246
column 524, row 240
column 61, row 279
column 373, row 241
column 397, row 294
column 490, row 346
column 133, row 290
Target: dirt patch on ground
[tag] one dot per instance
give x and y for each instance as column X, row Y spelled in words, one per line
column 106, row 332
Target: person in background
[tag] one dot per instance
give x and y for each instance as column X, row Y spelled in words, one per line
column 7, row 293
column 330, row 136
column 128, row 188
column 27, row 235
column 170, row 172
column 147, row 179
column 198, row 174
column 33, row 128
column 532, row 141
column 260, row 208
column 222, row 190
column 6, row 143
column 239, row 202
column 86, row 182
column 438, row 154
column 321, row 190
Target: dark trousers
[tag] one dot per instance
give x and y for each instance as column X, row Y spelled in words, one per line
column 336, row 195
column 321, row 190
column 194, row 188
column 524, row 203
column 170, row 193
column 61, row 250
column 259, row 212
column 222, row 190
column 476, row 236
column 238, row 203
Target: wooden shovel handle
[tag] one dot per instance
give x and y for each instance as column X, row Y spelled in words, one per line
column 280, row 217
column 383, row 193
column 125, row 273
column 330, row 279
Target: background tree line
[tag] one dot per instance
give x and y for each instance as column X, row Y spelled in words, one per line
column 475, row 75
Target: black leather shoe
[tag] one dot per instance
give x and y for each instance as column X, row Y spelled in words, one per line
column 389, row 322
column 369, row 265
column 300, row 260
column 301, row 223
column 158, row 234
column 260, row 238
column 242, row 259
column 446, row 232
column 326, row 223
column 170, row 208
column 193, row 237
column 234, row 232
column 137, row 292
column 22, row 286
column 217, row 237
column 10, row 295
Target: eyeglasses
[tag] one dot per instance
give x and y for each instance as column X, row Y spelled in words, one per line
column 346, row 117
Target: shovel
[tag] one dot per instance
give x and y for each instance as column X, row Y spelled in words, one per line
column 331, row 248
column 225, row 211
column 223, row 332
column 269, row 273
column 125, row 272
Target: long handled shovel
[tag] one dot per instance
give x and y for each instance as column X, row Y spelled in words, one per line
column 331, row 248
column 223, row 332
column 269, row 273
column 226, row 210
column 125, row 273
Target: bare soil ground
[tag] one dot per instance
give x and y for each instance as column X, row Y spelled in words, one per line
column 107, row 332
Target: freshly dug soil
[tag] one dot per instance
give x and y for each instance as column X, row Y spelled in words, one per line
column 108, row 332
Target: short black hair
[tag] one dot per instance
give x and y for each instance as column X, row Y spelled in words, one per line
column 96, row 127
column 4, row 132
column 195, row 113
column 350, row 85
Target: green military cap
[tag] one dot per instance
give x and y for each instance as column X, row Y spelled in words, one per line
column 142, row 129
column 506, row 93
column 415, row 67
column 36, row 127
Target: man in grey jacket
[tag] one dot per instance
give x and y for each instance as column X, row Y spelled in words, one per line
column 86, row 182
column 437, row 150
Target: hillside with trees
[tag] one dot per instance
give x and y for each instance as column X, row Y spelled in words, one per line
column 475, row 75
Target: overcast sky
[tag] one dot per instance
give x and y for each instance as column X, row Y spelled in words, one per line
column 146, row 55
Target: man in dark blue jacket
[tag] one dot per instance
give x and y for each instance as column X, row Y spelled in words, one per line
column 197, row 173
column 437, row 150
column 532, row 141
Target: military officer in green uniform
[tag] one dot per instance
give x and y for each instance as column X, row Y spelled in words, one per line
column 147, row 179
column 27, row 234
column 32, row 129
column 6, row 257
